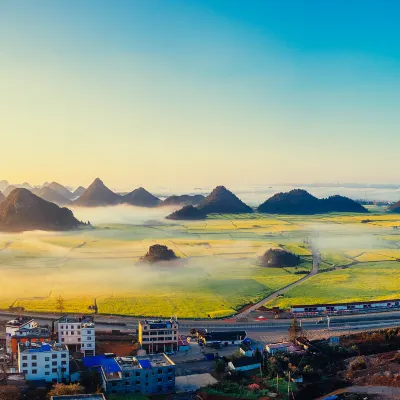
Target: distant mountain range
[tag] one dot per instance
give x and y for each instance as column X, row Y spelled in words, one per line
column 22, row 210
column 183, row 200
column 299, row 201
column 221, row 200
column 48, row 194
column 61, row 190
column 140, row 197
column 2, row 197
column 96, row 195
column 188, row 212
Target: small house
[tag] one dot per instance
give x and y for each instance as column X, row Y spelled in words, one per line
column 277, row 347
column 244, row 364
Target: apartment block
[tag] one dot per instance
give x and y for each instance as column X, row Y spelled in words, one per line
column 78, row 333
column 43, row 361
column 158, row 336
column 148, row 375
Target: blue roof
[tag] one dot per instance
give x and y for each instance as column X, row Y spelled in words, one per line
column 145, row 363
column 108, row 363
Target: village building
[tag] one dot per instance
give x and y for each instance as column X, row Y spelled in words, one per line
column 23, row 335
column 78, row 333
column 158, row 336
column 244, row 364
column 224, row 338
column 43, row 361
column 148, row 375
column 16, row 324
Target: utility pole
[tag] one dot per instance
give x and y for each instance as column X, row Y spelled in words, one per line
column 328, row 319
column 288, row 386
column 277, row 384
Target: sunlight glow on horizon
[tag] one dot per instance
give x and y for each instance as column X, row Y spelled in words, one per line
column 194, row 93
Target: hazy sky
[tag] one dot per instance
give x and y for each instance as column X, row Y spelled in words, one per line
column 199, row 92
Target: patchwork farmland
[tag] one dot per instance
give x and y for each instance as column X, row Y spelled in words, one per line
column 218, row 274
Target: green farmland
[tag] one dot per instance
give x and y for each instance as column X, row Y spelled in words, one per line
column 218, row 273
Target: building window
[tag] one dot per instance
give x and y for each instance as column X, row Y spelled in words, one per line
column 24, row 357
column 47, row 366
column 126, row 383
column 54, row 363
column 137, row 373
column 54, row 356
column 63, row 355
column 89, row 345
column 63, row 362
column 62, row 339
column 169, row 370
column 34, row 357
column 127, row 375
column 25, row 371
column 72, row 333
column 170, row 379
column 47, row 359
column 54, row 370
column 89, row 338
column 63, row 369
column 137, row 382
column 47, row 373
column 159, row 379
column 79, row 339
column 34, row 364
column 160, row 371
column 114, row 384
column 24, row 364
column 34, row 371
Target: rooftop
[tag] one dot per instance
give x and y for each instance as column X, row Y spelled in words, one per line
column 112, row 366
column 245, row 361
column 38, row 347
column 19, row 321
column 350, row 303
column 158, row 323
column 33, row 332
column 140, row 362
column 279, row 345
column 225, row 335
column 75, row 319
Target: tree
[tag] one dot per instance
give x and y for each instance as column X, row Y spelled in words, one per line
column 59, row 389
column 219, row 367
column 295, row 330
column 60, row 304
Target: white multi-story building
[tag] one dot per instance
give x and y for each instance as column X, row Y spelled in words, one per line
column 21, row 322
column 78, row 333
column 43, row 361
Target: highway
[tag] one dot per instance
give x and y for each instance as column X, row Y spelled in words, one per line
column 267, row 332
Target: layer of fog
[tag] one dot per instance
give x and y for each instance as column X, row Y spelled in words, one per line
column 342, row 237
column 123, row 214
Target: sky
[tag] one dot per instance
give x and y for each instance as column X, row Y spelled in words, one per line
column 198, row 92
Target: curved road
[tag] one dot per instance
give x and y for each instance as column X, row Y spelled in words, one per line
column 314, row 271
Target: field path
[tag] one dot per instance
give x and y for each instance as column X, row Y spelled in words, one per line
column 316, row 260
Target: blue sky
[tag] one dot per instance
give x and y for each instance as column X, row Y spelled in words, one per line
column 183, row 93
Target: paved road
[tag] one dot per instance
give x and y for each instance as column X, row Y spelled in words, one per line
column 314, row 271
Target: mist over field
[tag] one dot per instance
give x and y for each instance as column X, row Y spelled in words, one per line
column 122, row 214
